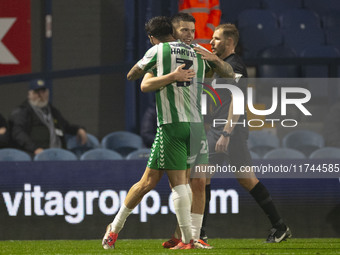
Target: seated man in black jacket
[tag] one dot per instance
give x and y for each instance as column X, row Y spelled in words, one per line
column 36, row 125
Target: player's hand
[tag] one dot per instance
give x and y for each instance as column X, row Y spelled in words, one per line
column 207, row 55
column 222, row 144
column 183, row 75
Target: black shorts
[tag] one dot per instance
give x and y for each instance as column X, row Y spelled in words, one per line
column 237, row 153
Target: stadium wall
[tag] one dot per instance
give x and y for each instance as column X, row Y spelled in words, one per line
column 77, row 199
column 85, row 34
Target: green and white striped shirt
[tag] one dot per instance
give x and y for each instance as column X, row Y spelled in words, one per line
column 178, row 101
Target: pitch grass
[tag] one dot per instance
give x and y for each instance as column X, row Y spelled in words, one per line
column 153, row 246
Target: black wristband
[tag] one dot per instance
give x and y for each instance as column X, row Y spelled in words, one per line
column 226, row 134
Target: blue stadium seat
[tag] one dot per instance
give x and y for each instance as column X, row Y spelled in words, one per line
column 256, row 18
column 260, row 142
column 254, row 155
column 143, row 153
column 253, row 41
column 279, row 6
column 55, row 154
column 331, row 20
column 258, row 31
column 333, row 37
column 122, row 142
column 299, row 18
column 9, row 154
column 73, row 144
column 326, row 152
column 298, row 39
column 101, row 154
column 232, row 8
column 323, row 51
column 305, row 141
column 278, row 71
column 284, row 153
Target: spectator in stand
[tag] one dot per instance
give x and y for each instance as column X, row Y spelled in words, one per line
column 4, row 135
column 37, row 125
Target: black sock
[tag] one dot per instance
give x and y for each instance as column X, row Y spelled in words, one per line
column 206, row 208
column 264, row 200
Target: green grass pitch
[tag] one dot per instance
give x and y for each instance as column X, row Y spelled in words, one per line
column 153, row 246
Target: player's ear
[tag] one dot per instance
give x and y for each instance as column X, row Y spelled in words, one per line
column 151, row 38
column 230, row 41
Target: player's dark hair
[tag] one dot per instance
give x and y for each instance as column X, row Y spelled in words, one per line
column 182, row 16
column 159, row 27
column 229, row 30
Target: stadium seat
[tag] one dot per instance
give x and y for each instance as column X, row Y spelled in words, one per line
column 258, row 31
column 331, row 20
column 254, row 155
column 122, row 142
column 73, row 144
column 284, row 153
column 299, row 39
column 260, row 142
column 326, row 152
column 299, row 18
column 9, row 154
column 101, row 154
column 256, row 18
column 305, row 141
column 301, row 28
column 278, row 71
column 55, row 154
column 333, row 37
column 143, row 153
column 279, row 6
column 253, row 40
column 232, row 8
column 323, row 51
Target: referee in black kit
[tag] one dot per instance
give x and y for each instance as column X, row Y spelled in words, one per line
column 229, row 143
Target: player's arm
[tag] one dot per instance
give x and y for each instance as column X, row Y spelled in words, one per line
column 148, row 62
column 135, row 73
column 223, row 142
column 210, row 73
column 152, row 83
column 223, row 69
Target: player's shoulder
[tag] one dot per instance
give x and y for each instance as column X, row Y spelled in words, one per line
column 152, row 50
column 179, row 44
column 234, row 58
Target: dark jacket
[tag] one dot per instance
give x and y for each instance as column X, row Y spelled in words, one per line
column 149, row 126
column 28, row 132
column 4, row 138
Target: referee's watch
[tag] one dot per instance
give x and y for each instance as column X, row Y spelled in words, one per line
column 226, row 134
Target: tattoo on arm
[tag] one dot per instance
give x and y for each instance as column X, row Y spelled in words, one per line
column 135, row 73
column 225, row 70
